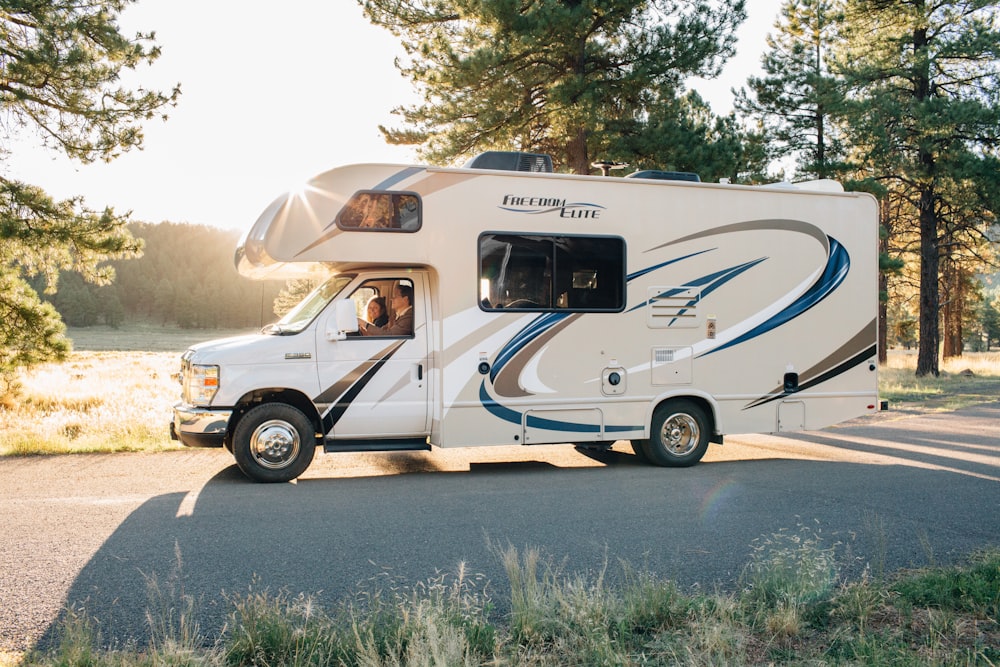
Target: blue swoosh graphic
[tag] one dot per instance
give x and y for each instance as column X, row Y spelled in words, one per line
column 837, row 266
column 638, row 274
column 713, row 280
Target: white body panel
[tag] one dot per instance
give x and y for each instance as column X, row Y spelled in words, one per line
column 727, row 290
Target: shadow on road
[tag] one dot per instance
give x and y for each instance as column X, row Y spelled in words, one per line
column 967, row 441
column 937, row 499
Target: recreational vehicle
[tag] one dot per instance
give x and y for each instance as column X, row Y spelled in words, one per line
column 529, row 307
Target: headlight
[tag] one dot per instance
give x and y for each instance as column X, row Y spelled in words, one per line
column 201, row 382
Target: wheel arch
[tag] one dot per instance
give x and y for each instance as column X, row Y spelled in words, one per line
column 291, row 397
column 705, row 401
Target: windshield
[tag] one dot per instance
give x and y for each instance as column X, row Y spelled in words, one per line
column 299, row 317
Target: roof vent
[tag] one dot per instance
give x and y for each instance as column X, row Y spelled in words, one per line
column 511, row 161
column 666, row 175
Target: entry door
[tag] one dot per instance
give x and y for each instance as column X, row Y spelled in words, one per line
column 376, row 386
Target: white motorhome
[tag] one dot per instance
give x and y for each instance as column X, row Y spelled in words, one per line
column 531, row 307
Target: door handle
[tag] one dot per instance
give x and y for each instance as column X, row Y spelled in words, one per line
column 420, row 372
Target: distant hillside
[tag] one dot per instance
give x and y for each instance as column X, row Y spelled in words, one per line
column 186, row 278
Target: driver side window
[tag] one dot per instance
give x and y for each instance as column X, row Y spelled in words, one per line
column 385, row 307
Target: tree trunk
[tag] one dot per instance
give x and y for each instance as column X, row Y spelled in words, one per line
column 883, row 322
column 930, row 333
column 954, row 312
column 927, row 350
column 883, row 287
column 576, row 153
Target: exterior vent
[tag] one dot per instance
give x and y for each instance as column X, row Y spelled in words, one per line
column 658, row 175
column 511, row 161
column 673, row 307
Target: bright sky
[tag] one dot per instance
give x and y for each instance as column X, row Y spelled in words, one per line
column 269, row 99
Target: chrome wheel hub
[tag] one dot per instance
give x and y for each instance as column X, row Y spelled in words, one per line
column 680, row 434
column 274, row 444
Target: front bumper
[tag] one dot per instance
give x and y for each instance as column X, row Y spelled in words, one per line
column 199, row 427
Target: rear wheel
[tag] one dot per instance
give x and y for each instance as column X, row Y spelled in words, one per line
column 274, row 442
column 679, row 434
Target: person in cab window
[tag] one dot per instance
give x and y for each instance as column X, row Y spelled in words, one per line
column 376, row 311
column 402, row 322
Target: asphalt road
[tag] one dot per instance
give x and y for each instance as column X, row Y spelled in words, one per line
column 95, row 531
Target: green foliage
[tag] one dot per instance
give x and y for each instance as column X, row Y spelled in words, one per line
column 31, row 330
column 682, row 134
column 974, row 588
column 269, row 629
column 990, row 318
column 61, row 70
column 564, row 78
column 60, row 78
column 797, row 94
column 923, row 116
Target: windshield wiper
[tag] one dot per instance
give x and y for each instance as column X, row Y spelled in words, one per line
column 276, row 329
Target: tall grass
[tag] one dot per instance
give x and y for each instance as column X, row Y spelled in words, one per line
column 95, row 401
column 791, row 608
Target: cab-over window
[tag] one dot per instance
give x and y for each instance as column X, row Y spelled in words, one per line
column 381, row 211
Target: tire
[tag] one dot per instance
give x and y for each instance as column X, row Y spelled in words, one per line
column 639, row 449
column 274, row 442
column 678, row 435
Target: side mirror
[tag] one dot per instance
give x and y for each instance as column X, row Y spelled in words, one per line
column 346, row 320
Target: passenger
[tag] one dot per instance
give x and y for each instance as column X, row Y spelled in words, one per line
column 377, row 314
column 402, row 308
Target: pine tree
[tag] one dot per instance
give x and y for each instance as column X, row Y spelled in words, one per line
column 798, row 94
column 61, row 67
column 682, row 134
column 557, row 76
column 922, row 81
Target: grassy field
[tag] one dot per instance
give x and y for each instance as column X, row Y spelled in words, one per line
column 967, row 380
column 114, row 394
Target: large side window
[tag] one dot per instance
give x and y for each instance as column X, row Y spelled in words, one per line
column 381, row 211
column 543, row 272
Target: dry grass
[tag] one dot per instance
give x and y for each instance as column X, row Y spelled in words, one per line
column 114, row 394
column 980, row 363
column 95, row 401
column 968, row 380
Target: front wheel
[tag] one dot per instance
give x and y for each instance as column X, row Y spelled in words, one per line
column 678, row 436
column 274, row 442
